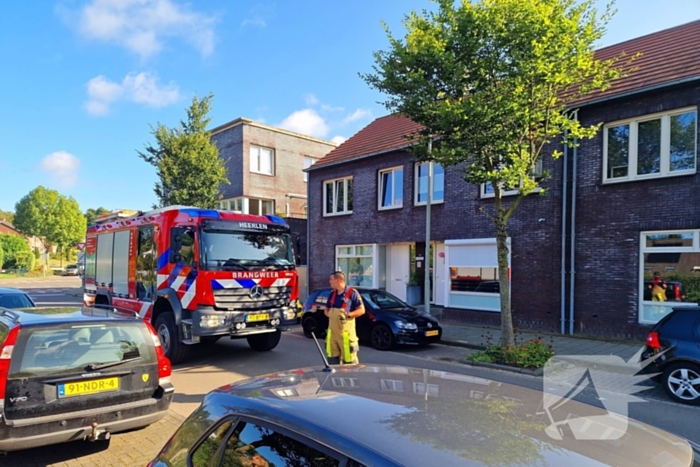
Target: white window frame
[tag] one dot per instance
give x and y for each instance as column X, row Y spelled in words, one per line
column 334, row 182
column 694, row 248
column 536, row 172
column 308, row 162
column 355, row 252
column 416, row 184
column 380, row 185
column 665, row 146
column 256, row 160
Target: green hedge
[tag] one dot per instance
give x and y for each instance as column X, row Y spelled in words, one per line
column 13, row 245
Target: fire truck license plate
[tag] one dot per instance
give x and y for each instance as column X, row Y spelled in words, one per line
column 434, row 332
column 80, row 388
column 258, row 317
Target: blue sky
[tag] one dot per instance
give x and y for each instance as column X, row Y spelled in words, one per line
column 82, row 80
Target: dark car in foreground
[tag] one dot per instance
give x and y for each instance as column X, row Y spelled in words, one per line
column 674, row 345
column 387, row 320
column 378, row 416
column 79, row 375
column 15, row 298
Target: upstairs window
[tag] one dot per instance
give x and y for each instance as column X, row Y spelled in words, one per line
column 337, row 196
column 262, row 160
column 651, row 146
column 487, row 188
column 421, row 188
column 308, row 162
column 391, row 188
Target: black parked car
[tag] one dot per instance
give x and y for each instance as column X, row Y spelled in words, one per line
column 15, row 298
column 80, row 375
column 377, row 416
column 387, row 320
column 675, row 342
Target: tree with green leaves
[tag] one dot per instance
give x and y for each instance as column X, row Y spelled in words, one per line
column 495, row 85
column 46, row 214
column 187, row 162
column 92, row 214
column 7, row 216
column 12, row 246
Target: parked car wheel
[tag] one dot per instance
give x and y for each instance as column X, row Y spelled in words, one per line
column 264, row 342
column 309, row 325
column 381, row 337
column 682, row 382
column 175, row 350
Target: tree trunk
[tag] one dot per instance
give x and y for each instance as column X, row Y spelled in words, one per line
column 507, row 334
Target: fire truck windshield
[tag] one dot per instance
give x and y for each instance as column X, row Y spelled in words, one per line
column 234, row 251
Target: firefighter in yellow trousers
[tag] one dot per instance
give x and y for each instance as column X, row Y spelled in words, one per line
column 344, row 305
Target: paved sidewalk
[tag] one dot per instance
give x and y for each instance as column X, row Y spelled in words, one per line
column 572, row 356
column 480, row 336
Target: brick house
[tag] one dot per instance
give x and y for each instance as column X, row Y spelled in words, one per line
column 265, row 167
column 619, row 207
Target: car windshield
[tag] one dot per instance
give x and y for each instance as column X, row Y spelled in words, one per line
column 67, row 348
column 382, row 300
column 239, row 251
column 15, row 300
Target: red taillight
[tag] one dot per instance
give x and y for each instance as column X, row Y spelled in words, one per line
column 5, row 356
column 164, row 367
column 678, row 293
column 653, row 340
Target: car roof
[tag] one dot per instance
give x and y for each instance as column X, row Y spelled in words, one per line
column 68, row 315
column 8, row 291
column 418, row 416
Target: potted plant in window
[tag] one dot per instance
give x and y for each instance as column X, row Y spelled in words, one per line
column 413, row 289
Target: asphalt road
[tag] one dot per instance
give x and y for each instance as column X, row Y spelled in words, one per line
column 231, row 360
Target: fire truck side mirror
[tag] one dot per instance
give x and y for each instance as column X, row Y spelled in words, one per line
column 175, row 244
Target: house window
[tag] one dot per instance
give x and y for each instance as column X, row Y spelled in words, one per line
column 421, row 188
column 423, row 388
column 487, row 188
column 652, row 146
column 391, row 188
column 262, row 160
column 392, row 385
column 258, row 207
column 474, row 281
column 669, row 266
column 308, row 162
column 261, row 207
column 337, row 196
column 235, row 204
column 356, row 261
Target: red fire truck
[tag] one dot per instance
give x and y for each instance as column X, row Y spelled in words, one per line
column 196, row 274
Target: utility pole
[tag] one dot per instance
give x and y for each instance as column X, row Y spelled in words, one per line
column 427, row 227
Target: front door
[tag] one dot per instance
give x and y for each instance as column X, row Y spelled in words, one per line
column 439, row 272
column 399, row 268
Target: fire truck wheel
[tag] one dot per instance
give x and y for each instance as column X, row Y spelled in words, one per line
column 175, row 350
column 264, row 342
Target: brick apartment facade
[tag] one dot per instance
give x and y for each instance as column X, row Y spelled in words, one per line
column 277, row 184
column 619, row 207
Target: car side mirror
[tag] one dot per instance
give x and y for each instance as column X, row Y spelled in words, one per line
column 175, row 244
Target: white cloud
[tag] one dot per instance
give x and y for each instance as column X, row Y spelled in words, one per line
column 358, row 115
column 63, row 168
column 306, row 122
column 142, row 26
column 338, row 140
column 257, row 16
column 141, row 88
column 311, row 100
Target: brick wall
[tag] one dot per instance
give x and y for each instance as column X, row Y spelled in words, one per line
column 289, row 153
column 536, row 246
column 610, row 217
